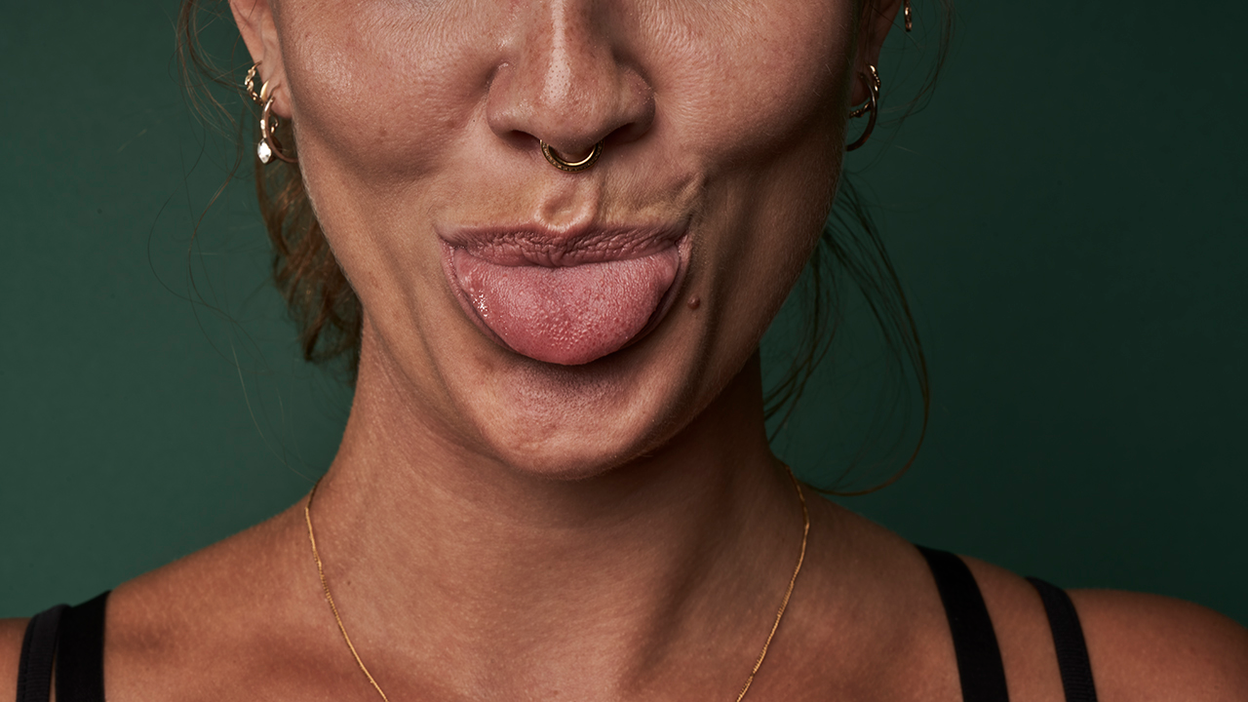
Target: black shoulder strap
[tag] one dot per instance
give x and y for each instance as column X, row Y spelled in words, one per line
column 80, row 655
column 1072, row 650
column 974, row 640
column 34, row 669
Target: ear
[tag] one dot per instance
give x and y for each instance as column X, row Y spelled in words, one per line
column 255, row 23
column 877, row 20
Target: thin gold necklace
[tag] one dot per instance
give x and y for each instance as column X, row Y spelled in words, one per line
column 320, row 570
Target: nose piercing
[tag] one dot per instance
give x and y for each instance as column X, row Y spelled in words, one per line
column 570, row 166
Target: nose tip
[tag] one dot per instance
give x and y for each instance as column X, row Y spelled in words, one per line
column 563, row 89
column 592, row 110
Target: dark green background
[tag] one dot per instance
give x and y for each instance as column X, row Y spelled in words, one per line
column 1068, row 218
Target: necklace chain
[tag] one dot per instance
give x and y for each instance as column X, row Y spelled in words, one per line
column 784, row 603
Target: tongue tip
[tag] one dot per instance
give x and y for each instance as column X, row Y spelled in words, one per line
column 567, row 316
column 567, row 356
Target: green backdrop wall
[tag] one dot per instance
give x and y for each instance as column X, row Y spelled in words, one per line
column 1068, row 217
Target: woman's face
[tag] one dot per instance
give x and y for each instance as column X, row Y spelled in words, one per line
column 564, row 322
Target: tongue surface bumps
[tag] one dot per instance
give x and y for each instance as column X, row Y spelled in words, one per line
column 567, row 315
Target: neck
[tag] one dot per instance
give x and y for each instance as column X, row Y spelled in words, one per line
column 596, row 588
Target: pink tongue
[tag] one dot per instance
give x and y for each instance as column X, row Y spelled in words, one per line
column 568, row 315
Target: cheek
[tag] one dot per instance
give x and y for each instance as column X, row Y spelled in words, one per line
column 766, row 115
column 382, row 94
column 747, row 81
column 381, row 89
column 763, row 232
column 760, row 104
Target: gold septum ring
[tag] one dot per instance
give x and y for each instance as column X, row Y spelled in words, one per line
column 554, row 159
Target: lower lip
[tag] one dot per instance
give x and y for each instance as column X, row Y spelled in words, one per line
column 568, row 315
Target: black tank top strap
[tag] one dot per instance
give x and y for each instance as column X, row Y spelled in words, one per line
column 1072, row 649
column 80, row 655
column 980, row 669
column 74, row 638
column 34, row 669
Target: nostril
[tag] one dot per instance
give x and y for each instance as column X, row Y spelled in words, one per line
column 601, row 103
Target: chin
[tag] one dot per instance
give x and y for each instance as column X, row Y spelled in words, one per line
column 578, row 422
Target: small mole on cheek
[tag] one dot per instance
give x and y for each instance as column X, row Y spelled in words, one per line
column 695, row 302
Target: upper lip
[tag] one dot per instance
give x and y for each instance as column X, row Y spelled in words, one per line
column 534, row 244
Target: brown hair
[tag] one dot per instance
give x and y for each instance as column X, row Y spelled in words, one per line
column 325, row 309
column 850, row 255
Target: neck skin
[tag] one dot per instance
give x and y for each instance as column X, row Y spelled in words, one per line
column 658, row 579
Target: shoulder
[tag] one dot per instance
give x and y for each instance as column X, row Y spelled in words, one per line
column 1142, row 647
column 189, row 629
column 11, row 633
column 1154, row 647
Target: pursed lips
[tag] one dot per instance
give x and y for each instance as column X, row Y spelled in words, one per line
column 542, row 246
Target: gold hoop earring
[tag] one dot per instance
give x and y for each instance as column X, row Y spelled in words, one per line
column 872, row 106
column 558, row 161
column 268, row 147
column 905, row 12
column 249, row 84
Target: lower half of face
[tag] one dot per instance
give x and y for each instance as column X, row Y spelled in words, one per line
column 566, row 322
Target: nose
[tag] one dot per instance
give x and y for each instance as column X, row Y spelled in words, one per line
column 562, row 81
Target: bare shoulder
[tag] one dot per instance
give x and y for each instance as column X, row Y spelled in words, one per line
column 180, row 631
column 11, row 633
column 1151, row 647
column 1142, row 647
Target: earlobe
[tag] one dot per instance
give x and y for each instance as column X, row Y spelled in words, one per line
column 259, row 32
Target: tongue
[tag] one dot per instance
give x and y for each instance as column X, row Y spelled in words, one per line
column 571, row 314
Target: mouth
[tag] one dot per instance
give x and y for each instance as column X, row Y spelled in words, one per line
column 567, row 297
